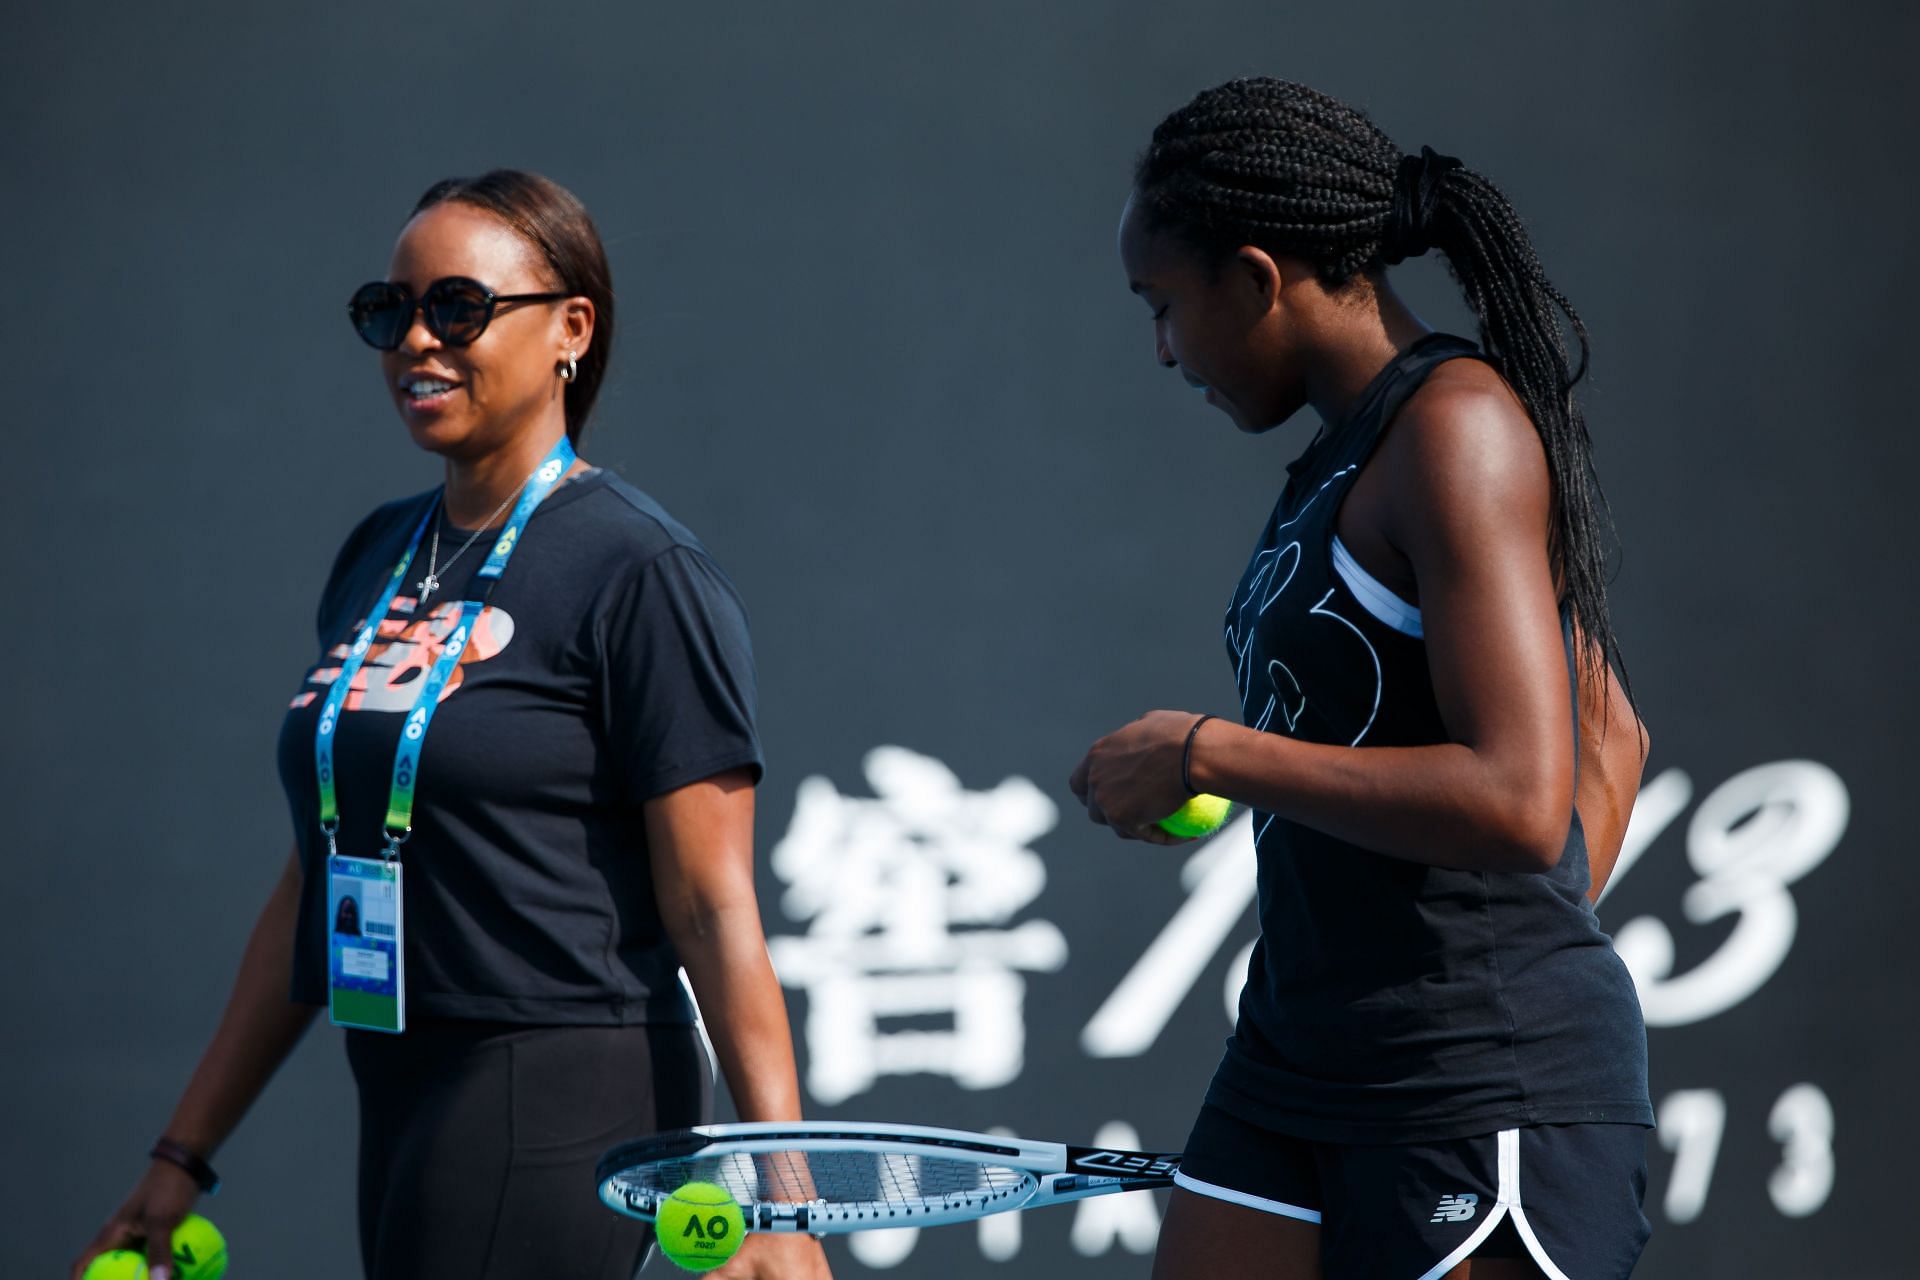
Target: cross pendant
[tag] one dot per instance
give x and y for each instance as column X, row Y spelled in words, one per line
column 428, row 585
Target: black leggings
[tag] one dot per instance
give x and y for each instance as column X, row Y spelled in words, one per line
column 478, row 1143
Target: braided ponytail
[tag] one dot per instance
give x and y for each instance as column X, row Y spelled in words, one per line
column 1280, row 166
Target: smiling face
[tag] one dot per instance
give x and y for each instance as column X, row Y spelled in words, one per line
column 466, row 402
column 1224, row 326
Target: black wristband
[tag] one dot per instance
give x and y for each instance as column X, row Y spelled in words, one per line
column 197, row 1169
column 1186, row 757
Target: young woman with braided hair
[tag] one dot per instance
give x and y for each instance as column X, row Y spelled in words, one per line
column 1439, row 1066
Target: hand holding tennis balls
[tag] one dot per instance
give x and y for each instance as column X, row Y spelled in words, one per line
column 1130, row 779
column 199, row 1253
column 1200, row 816
column 700, row 1226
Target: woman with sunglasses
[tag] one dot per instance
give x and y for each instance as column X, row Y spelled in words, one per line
column 1439, row 1067
column 527, row 752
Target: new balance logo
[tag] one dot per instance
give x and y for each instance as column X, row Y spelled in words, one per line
column 1458, row 1208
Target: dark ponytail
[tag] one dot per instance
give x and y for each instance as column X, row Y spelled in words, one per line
column 1278, row 165
column 554, row 222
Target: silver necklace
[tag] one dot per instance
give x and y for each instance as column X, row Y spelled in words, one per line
column 431, row 583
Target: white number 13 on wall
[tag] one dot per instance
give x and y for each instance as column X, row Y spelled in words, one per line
column 1692, row 1122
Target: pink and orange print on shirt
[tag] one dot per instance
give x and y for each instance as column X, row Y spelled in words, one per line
column 404, row 651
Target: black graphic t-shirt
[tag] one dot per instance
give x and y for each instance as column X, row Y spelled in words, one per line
column 1388, row 1000
column 611, row 665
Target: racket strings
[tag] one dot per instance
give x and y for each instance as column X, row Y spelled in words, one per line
column 863, row 1184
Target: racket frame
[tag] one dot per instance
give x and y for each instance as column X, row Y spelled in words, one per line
column 1053, row 1173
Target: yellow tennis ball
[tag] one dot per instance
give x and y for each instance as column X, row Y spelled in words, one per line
column 199, row 1250
column 117, row 1264
column 1199, row 816
column 700, row 1226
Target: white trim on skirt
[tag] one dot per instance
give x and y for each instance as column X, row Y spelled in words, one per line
column 1506, row 1201
column 1228, row 1194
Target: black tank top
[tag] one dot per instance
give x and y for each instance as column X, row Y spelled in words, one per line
column 1387, row 1000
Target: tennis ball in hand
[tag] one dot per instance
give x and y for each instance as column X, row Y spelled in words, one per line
column 117, row 1264
column 199, row 1250
column 700, row 1226
column 1199, row 816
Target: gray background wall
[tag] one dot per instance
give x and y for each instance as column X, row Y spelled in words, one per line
column 875, row 348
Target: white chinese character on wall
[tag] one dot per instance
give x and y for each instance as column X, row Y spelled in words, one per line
column 909, row 901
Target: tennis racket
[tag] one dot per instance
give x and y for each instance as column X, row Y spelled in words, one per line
column 826, row 1178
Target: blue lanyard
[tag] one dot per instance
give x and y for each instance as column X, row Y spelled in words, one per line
column 406, row 759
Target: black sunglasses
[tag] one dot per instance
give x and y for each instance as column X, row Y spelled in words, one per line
column 457, row 310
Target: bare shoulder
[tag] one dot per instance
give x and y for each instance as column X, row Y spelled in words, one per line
column 1464, row 443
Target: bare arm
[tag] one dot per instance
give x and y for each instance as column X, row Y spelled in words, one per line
column 1466, row 479
column 701, row 841
column 257, row 1031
